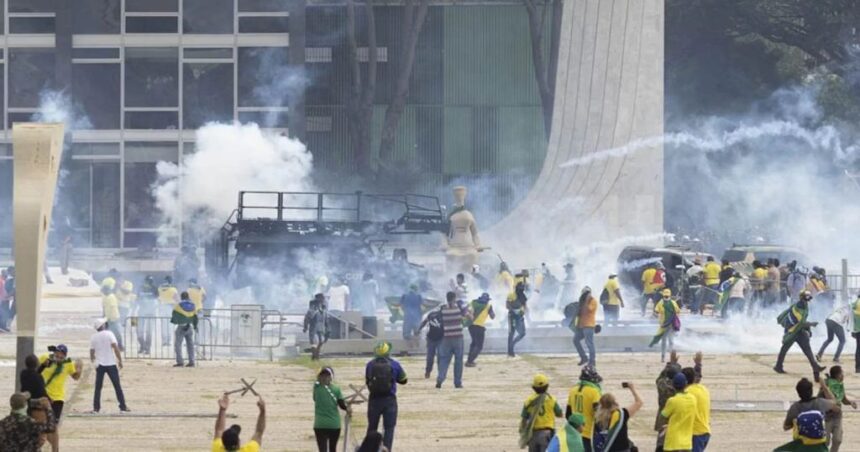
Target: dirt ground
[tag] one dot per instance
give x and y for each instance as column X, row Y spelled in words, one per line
column 482, row 416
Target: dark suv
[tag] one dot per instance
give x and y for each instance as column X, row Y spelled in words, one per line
column 633, row 260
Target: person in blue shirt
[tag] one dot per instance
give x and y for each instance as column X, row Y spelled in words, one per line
column 382, row 375
column 411, row 304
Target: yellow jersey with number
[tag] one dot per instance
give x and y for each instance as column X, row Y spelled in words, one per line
column 583, row 399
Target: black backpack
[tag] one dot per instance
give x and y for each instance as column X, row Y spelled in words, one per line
column 380, row 377
column 435, row 331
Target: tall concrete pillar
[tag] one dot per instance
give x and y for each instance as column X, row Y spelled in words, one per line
column 36, row 151
column 609, row 92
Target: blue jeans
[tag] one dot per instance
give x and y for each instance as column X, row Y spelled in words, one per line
column 184, row 332
column 516, row 325
column 386, row 408
column 112, row 373
column 700, row 442
column 588, row 335
column 410, row 327
column 431, row 355
column 450, row 346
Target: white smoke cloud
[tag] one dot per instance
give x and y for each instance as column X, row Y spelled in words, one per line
column 57, row 106
column 229, row 158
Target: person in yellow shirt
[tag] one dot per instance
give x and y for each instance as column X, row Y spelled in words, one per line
column 702, row 423
column 55, row 368
column 197, row 294
column 680, row 413
column 126, row 297
column 667, row 310
column 711, row 273
column 110, row 279
column 583, row 399
column 611, row 299
column 584, row 324
column 649, row 287
column 481, row 309
column 540, row 409
column 758, row 281
column 504, row 282
column 228, row 439
column 168, row 296
column 110, row 308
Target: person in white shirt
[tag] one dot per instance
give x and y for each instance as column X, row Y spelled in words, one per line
column 338, row 297
column 841, row 318
column 104, row 353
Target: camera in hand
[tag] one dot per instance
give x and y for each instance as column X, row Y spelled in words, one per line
column 625, row 385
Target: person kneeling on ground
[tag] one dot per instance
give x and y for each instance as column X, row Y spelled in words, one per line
column 540, row 409
column 228, row 440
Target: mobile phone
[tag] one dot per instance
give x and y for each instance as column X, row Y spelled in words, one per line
column 625, row 385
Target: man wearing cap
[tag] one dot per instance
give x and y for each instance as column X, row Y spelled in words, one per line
column 20, row 432
column 55, row 368
column 583, row 399
column 228, row 439
column 382, row 375
column 105, row 355
column 680, row 413
column 538, row 416
column 569, row 437
column 481, row 310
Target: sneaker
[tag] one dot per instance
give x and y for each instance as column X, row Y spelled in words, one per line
column 93, row 412
column 837, row 361
column 820, row 369
column 190, row 365
column 179, row 365
column 426, row 375
column 779, row 370
column 438, row 385
column 124, row 410
column 470, row 364
column 818, row 357
column 458, row 386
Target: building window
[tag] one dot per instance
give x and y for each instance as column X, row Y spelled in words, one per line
column 151, row 24
column 96, row 17
column 207, row 16
column 140, row 173
column 31, row 25
column 152, row 6
column 207, row 53
column 151, row 77
column 31, row 6
column 6, row 175
column 265, row 79
column 207, row 93
column 152, row 120
column 264, row 24
column 263, row 5
column 97, row 88
column 31, row 71
column 96, row 53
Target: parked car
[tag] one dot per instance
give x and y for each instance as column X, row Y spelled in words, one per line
column 634, row 259
column 741, row 257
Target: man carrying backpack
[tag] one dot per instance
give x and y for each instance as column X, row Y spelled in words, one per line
column 382, row 375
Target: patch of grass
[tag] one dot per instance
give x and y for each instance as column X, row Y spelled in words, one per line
column 303, row 361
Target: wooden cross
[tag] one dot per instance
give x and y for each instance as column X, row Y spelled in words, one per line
column 357, row 397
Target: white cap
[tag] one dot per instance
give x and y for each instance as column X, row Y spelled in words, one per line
column 476, row 268
column 100, row 322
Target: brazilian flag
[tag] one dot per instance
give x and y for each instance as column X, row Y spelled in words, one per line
column 184, row 313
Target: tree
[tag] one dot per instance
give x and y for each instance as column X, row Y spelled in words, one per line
column 538, row 10
column 412, row 22
column 360, row 102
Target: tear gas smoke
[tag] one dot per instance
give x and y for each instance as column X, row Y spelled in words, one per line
column 229, row 158
column 57, row 106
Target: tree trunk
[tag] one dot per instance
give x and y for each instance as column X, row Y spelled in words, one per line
column 536, row 26
column 360, row 102
column 413, row 22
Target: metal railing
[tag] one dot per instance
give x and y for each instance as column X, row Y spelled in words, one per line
column 240, row 331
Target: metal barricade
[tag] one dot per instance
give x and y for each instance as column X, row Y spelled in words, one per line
column 240, row 331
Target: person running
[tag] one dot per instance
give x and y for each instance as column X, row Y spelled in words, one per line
column 702, row 423
column 316, row 325
column 797, row 330
column 611, row 299
column 833, row 421
column 327, row 400
column 669, row 323
column 55, row 368
column 680, row 413
column 585, row 322
column 836, row 323
column 583, row 398
column 805, row 418
column 481, row 310
column 411, row 303
column 228, row 439
column 855, row 310
column 610, row 422
column 382, row 375
column 650, row 287
column 435, row 333
column 184, row 316
column 537, row 423
column 516, row 305
column 453, row 316
column 105, row 355
column 569, row 437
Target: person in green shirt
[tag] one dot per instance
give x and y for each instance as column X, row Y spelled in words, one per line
column 833, row 421
column 327, row 400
